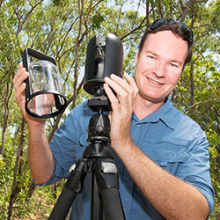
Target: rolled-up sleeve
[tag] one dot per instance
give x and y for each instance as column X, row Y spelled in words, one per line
column 196, row 169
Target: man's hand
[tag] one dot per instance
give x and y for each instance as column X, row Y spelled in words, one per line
column 122, row 107
column 20, row 87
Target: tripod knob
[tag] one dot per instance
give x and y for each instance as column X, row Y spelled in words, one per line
column 99, row 128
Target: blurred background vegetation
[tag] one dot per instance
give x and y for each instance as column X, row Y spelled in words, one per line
column 62, row 29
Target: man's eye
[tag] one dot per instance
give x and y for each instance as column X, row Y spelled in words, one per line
column 151, row 57
column 174, row 65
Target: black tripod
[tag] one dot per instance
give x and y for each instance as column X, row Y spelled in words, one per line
column 98, row 158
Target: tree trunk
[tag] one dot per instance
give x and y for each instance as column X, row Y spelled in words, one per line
column 31, row 190
column 6, row 114
column 192, row 92
column 15, row 187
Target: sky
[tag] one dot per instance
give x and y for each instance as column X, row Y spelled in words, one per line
column 129, row 6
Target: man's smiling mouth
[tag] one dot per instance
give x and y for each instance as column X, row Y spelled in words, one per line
column 154, row 82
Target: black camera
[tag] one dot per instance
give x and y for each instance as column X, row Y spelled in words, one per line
column 103, row 58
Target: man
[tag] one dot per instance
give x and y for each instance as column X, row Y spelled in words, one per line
column 161, row 155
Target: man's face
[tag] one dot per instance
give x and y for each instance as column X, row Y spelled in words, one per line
column 159, row 65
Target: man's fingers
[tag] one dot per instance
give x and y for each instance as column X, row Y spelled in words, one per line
column 19, row 78
column 110, row 94
column 131, row 80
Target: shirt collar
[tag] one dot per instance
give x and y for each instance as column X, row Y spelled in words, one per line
column 166, row 113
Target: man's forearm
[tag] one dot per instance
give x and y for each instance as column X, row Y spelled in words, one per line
column 39, row 155
column 172, row 197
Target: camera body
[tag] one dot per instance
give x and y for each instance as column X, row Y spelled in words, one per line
column 104, row 57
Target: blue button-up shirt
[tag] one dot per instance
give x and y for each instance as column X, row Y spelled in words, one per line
column 171, row 139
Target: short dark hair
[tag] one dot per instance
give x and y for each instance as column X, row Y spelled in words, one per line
column 178, row 28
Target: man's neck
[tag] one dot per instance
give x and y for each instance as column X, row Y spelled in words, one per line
column 143, row 107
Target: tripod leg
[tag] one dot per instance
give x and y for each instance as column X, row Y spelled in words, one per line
column 72, row 187
column 107, row 180
column 96, row 203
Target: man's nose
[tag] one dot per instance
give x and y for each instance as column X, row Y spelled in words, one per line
column 159, row 69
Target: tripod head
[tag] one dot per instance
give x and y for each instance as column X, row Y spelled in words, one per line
column 99, row 128
column 98, row 131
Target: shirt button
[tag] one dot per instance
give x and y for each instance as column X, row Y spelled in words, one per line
column 125, row 210
column 127, row 180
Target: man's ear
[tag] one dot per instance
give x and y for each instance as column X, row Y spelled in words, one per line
column 136, row 58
